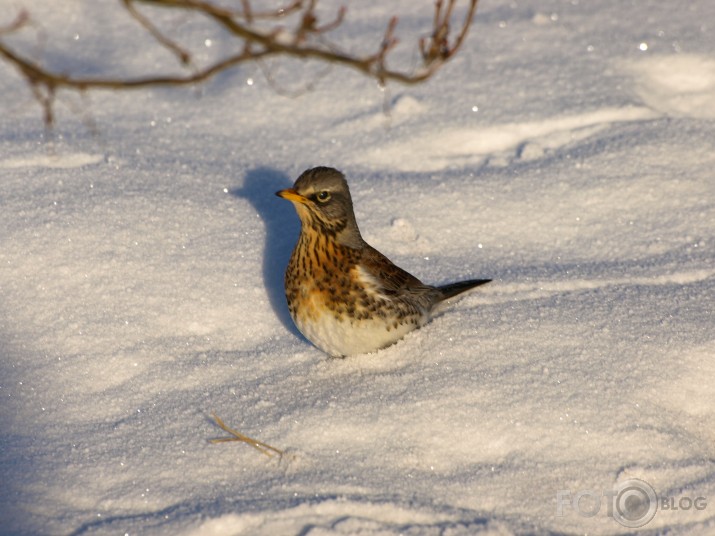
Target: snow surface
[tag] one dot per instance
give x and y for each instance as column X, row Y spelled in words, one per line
column 567, row 152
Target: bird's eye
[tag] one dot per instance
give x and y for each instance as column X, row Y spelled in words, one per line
column 323, row 196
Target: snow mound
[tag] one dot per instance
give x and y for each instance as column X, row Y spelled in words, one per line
column 459, row 147
column 679, row 85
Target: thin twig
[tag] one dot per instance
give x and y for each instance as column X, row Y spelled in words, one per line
column 183, row 55
column 21, row 20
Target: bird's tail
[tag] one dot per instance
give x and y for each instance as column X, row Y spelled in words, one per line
column 452, row 293
column 454, row 289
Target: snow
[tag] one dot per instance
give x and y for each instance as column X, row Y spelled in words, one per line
column 566, row 152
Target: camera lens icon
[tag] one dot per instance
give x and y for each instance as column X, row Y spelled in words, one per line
column 635, row 503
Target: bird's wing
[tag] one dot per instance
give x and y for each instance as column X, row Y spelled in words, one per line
column 388, row 277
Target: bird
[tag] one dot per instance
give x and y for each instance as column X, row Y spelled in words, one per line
column 343, row 295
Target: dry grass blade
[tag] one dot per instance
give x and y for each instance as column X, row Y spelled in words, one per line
column 262, row 447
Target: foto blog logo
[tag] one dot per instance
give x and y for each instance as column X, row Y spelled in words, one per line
column 633, row 503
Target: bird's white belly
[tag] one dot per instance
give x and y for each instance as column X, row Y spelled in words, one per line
column 345, row 337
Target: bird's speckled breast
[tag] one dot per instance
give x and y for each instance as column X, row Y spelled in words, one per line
column 332, row 302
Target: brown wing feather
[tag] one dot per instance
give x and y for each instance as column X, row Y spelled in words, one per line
column 392, row 278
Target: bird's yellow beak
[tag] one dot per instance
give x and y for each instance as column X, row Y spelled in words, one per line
column 291, row 195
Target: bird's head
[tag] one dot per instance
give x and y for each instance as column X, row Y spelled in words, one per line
column 322, row 200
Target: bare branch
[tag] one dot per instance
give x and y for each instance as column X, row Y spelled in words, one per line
column 258, row 41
